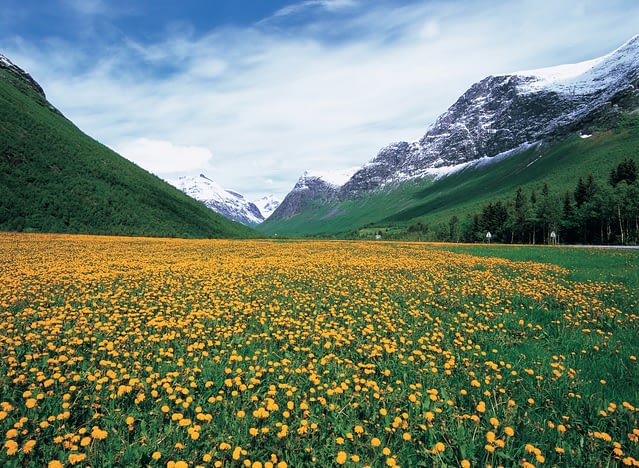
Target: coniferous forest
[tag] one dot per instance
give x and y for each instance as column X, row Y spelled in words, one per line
column 591, row 213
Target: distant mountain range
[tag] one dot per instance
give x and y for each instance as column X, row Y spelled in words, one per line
column 229, row 204
column 495, row 118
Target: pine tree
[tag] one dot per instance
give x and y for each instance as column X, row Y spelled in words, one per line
column 625, row 171
column 521, row 214
column 567, row 225
column 549, row 212
column 453, row 225
column 580, row 192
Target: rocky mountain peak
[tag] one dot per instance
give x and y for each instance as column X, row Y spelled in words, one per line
column 319, row 186
column 7, row 64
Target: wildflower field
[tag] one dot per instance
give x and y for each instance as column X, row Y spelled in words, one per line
column 158, row 352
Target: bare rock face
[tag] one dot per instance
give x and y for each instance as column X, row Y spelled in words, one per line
column 309, row 188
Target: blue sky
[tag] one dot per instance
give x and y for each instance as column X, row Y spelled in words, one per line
column 252, row 93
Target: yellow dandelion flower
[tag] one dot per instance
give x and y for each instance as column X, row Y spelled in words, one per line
column 98, row 433
column 75, row 458
column 28, row 446
column 439, row 447
column 11, row 446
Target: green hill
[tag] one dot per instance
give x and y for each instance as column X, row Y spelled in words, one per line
column 422, row 209
column 54, row 178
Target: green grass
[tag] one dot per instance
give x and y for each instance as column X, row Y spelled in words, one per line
column 619, row 266
column 584, row 265
column 55, row 178
column 143, row 352
column 558, row 164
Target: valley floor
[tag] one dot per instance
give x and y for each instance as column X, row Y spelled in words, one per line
column 167, row 352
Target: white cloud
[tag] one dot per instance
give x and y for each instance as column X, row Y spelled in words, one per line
column 253, row 108
column 429, row 30
column 159, row 156
column 296, row 8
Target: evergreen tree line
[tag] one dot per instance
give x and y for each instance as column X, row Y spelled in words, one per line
column 592, row 213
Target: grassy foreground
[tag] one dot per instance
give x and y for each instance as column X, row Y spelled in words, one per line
column 165, row 352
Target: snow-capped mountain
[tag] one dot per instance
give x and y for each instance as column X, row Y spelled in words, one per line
column 229, row 204
column 497, row 117
column 267, row 205
column 313, row 185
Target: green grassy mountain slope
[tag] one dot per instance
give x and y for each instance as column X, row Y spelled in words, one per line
column 54, row 178
column 433, row 202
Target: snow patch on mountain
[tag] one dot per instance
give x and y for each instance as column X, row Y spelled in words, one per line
column 267, row 205
column 558, row 78
column 586, row 77
column 336, row 178
column 5, row 61
column 229, row 204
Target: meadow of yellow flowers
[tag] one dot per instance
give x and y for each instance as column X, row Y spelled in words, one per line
column 158, row 352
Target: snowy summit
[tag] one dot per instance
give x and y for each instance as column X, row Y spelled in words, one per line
column 336, row 178
column 229, row 204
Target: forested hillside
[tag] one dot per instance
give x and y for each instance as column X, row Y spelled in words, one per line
column 54, row 178
column 593, row 212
